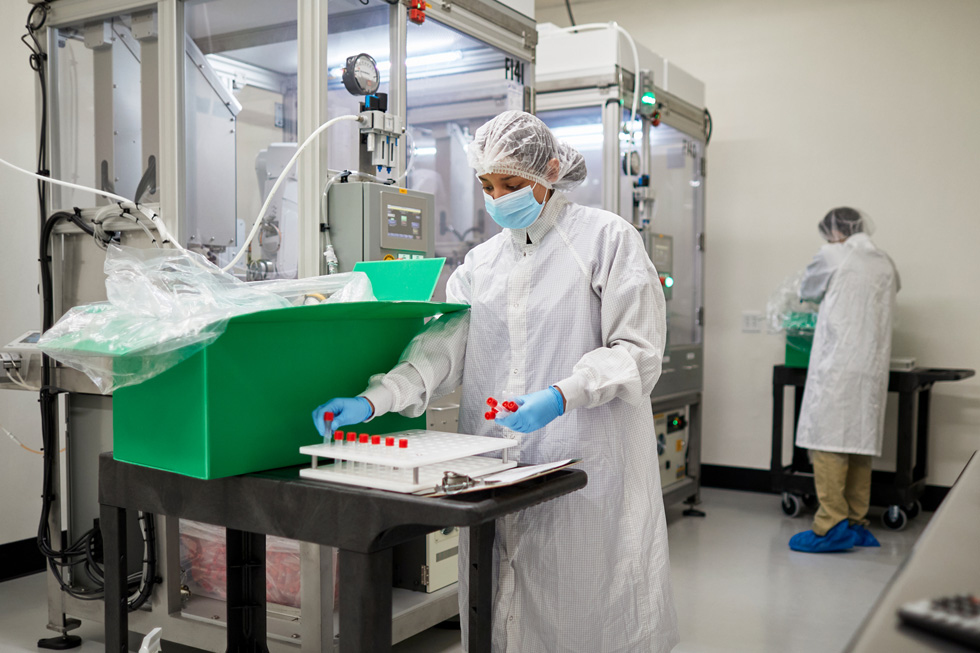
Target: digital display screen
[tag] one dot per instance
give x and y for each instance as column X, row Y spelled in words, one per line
column 404, row 222
column 31, row 339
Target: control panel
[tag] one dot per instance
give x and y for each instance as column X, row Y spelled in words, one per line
column 672, row 440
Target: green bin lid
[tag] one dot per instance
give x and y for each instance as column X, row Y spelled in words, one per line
column 403, row 279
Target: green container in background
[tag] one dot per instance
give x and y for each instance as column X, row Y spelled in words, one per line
column 799, row 338
column 244, row 403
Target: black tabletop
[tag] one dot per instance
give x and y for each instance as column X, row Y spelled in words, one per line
column 280, row 502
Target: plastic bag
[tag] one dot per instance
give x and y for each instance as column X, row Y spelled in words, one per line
column 785, row 312
column 164, row 305
column 203, row 571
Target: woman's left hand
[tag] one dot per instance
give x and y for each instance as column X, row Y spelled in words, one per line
column 534, row 410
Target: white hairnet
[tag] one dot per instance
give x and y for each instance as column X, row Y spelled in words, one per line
column 520, row 144
column 846, row 222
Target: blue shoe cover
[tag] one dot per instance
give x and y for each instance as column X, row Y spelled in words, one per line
column 838, row 538
column 864, row 536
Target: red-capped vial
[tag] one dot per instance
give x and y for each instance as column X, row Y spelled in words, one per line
column 364, row 438
column 351, row 436
column 338, row 435
column 403, row 444
column 511, row 406
column 375, row 439
column 328, row 417
column 490, row 402
column 389, row 442
column 489, row 414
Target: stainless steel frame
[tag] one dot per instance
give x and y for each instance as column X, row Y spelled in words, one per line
column 682, row 380
column 161, row 35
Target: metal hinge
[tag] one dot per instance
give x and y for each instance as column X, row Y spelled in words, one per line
column 704, row 167
column 701, row 316
column 701, row 242
column 425, row 575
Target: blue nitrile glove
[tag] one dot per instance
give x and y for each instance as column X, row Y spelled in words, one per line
column 346, row 410
column 534, row 410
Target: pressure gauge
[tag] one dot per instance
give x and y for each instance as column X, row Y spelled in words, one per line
column 631, row 163
column 361, row 76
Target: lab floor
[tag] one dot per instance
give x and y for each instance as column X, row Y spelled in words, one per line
column 737, row 585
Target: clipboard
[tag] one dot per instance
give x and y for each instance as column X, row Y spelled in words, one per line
column 453, row 483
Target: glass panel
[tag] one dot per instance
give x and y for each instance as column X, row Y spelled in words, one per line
column 582, row 129
column 675, row 176
column 240, row 116
column 455, row 84
column 97, row 139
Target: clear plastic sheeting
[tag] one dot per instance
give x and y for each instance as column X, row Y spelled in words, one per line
column 164, row 305
column 786, row 311
column 203, row 572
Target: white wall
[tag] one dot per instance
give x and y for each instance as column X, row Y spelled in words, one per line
column 20, row 471
column 865, row 103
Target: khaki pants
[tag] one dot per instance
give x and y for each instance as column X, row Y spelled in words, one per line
column 843, row 483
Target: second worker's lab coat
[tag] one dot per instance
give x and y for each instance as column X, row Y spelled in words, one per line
column 580, row 307
column 847, row 382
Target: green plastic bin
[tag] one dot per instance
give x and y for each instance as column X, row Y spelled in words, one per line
column 799, row 338
column 244, row 403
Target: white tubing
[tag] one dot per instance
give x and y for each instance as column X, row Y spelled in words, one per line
column 123, row 202
column 275, row 187
column 636, row 62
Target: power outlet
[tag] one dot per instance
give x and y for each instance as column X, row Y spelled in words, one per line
column 753, row 321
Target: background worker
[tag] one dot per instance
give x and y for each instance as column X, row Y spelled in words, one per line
column 843, row 413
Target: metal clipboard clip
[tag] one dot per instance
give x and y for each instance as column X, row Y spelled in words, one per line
column 453, row 483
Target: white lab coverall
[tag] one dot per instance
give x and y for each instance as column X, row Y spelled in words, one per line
column 847, row 382
column 579, row 307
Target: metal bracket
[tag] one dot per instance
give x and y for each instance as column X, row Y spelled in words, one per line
column 10, row 361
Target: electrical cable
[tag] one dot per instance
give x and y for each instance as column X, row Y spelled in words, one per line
column 571, row 18
column 708, row 126
column 79, row 551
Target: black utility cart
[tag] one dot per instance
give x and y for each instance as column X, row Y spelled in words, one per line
column 363, row 523
column 901, row 494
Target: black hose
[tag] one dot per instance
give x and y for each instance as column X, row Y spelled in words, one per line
column 568, row 5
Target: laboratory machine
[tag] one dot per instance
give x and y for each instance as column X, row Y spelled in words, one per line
column 641, row 124
column 197, row 109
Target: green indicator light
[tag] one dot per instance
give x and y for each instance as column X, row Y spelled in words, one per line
column 648, row 98
column 669, row 282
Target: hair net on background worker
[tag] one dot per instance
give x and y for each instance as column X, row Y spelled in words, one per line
column 520, row 144
column 846, row 222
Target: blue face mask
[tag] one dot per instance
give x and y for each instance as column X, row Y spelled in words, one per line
column 515, row 210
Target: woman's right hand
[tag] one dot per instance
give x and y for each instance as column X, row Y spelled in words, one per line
column 346, row 410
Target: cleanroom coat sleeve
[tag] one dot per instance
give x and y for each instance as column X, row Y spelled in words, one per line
column 634, row 324
column 431, row 365
column 816, row 277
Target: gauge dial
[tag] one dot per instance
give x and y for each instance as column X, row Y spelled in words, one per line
column 361, row 76
column 631, row 163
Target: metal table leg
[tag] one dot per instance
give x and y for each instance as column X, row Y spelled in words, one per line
column 903, row 464
column 481, row 590
column 245, row 582
column 365, row 601
column 776, row 462
column 113, row 523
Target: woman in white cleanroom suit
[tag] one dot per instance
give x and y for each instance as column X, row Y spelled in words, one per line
column 843, row 413
column 567, row 313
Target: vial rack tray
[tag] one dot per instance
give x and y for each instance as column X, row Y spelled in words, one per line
column 418, row 466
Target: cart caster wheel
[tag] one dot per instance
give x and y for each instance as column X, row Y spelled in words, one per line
column 811, row 501
column 913, row 510
column 791, row 504
column 894, row 518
